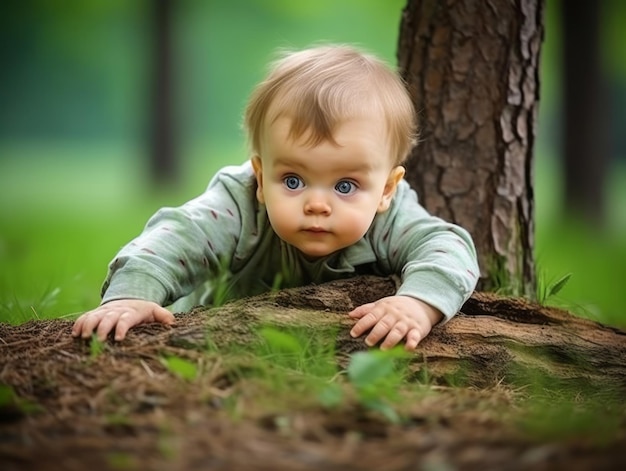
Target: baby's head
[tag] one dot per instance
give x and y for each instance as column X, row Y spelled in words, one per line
column 321, row 87
column 328, row 130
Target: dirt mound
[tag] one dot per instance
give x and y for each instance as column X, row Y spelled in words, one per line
column 68, row 404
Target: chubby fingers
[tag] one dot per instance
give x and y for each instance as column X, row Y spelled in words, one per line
column 119, row 316
column 86, row 323
column 393, row 320
column 100, row 321
column 413, row 338
column 371, row 317
column 367, row 319
column 124, row 318
column 162, row 315
column 120, row 322
column 390, row 328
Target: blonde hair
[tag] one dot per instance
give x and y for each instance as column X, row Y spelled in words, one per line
column 320, row 87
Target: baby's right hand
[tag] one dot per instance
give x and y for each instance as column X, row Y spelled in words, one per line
column 120, row 315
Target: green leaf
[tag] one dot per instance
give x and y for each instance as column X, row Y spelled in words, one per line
column 186, row 369
column 96, row 347
column 331, row 395
column 558, row 285
column 367, row 368
column 281, row 342
column 385, row 409
column 9, row 399
column 7, row 395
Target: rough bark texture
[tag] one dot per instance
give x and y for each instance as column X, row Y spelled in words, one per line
column 492, row 339
column 472, row 69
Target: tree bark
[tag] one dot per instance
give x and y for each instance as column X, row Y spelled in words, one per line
column 493, row 339
column 472, row 70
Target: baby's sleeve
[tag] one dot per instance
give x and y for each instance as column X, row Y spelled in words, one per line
column 435, row 260
column 179, row 248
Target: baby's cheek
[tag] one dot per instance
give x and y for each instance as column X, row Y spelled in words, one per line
column 355, row 225
column 283, row 218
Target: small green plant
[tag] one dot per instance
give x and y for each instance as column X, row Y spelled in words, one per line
column 457, row 378
column 547, row 289
column 501, row 281
column 220, row 284
column 167, row 443
column 286, row 366
column 118, row 420
column 296, row 362
column 122, row 461
column 297, row 349
column 278, row 282
column 16, row 311
column 11, row 403
column 7, row 395
column 377, row 376
column 331, row 395
column 182, row 368
column 557, row 412
column 96, row 347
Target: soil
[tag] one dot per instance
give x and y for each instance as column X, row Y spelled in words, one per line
column 64, row 405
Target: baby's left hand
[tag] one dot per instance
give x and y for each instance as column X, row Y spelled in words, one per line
column 395, row 318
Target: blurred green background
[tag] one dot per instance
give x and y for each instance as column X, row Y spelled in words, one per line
column 75, row 107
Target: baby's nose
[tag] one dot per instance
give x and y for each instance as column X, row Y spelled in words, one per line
column 316, row 204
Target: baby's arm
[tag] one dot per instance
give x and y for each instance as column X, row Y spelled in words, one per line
column 436, row 262
column 179, row 249
column 119, row 316
column 395, row 318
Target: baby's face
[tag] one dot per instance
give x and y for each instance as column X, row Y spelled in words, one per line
column 324, row 198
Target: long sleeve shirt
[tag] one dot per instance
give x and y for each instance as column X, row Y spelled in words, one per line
column 221, row 244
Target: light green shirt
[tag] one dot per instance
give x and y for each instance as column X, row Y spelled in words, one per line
column 222, row 241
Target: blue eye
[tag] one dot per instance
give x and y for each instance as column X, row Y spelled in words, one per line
column 345, row 187
column 292, row 182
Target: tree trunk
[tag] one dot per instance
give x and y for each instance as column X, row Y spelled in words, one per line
column 586, row 138
column 163, row 164
column 472, row 69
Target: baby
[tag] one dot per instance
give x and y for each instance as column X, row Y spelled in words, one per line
column 322, row 197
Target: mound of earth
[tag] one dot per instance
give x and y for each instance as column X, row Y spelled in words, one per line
column 68, row 404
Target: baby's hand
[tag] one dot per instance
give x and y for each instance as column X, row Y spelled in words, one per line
column 120, row 315
column 395, row 318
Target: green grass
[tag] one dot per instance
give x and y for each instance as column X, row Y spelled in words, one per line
column 66, row 210
column 595, row 257
column 296, row 367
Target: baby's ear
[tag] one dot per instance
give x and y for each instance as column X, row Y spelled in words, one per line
column 257, row 166
column 396, row 174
